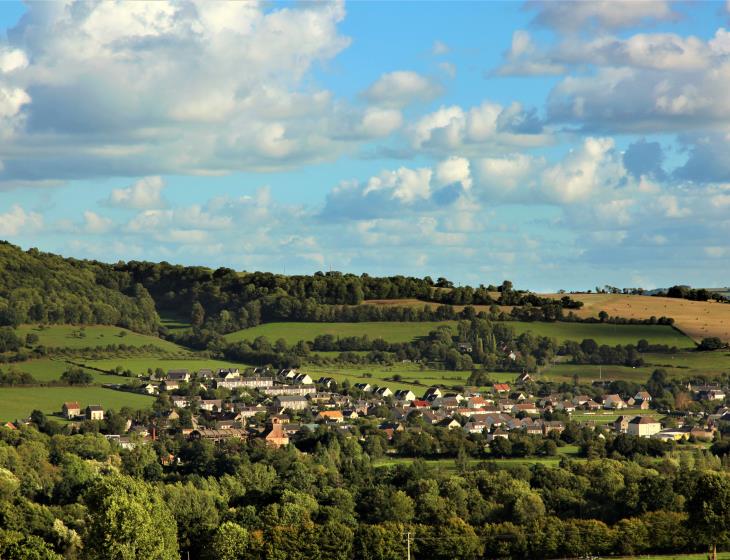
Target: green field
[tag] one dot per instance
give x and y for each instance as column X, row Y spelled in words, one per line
column 701, row 556
column 47, row 369
column 19, row 402
column 70, row 336
column 141, row 365
column 570, row 451
column 603, row 333
column 608, row 416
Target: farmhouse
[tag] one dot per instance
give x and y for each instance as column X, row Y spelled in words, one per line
column 94, row 412
column 71, row 410
column 644, row 426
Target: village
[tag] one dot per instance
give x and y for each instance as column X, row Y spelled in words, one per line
column 279, row 406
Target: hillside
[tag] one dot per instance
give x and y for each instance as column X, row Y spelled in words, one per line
column 697, row 319
column 38, row 287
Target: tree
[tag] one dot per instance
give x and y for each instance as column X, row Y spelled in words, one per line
column 710, row 343
column 76, row 376
column 197, row 314
column 30, row 547
column 709, row 508
column 230, row 542
column 128, row 519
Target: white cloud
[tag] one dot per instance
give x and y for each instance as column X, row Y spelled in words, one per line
column 145, row 193
column 152, row 88
column 454, row 170
column 405, row 185
column 440, row 48
column 17, row 221
column 400, row 88
column 96, row 224
column 378, row 122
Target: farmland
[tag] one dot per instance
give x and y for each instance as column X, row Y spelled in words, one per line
column 75, row 337
column 697, row 319
column 141, row 365
column 18, row 402
column 602, row 333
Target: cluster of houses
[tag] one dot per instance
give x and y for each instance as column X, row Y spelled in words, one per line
column 276, row 406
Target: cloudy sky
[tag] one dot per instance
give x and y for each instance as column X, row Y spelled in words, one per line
column 560, row 145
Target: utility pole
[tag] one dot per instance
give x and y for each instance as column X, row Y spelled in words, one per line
column 408, row 544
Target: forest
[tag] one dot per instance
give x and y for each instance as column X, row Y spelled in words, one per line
column 329, row 496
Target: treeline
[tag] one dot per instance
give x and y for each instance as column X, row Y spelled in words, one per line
column 81, row 497
column 38, row 287
column 699, row 294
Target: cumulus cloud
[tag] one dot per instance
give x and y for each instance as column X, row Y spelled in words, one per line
column 400, row 88
column 143, row 88
column 145, row 193
column 18, row 221
column 451, row 128
column 96, row 224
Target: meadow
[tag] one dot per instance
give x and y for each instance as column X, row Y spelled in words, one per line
column 19, row 402
column 49, row 369
column 75, row 337
column 140, row 366
column 603, row 333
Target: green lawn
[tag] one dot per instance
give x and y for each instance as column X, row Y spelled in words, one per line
column 691, row 363
column 588, row 373
column 141, row 365
column 679, row 556
column 603, row 333
column 19, row 402
column 70, row 336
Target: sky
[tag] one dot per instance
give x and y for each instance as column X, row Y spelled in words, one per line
column 558, row 145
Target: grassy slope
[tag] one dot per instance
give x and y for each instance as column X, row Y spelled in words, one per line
column 404, row 332
column 19, row 402
column 140, row 365
column 63, row 336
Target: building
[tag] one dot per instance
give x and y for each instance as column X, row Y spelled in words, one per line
column 291, row 402
column 405, row 395
column 644, row 426
column 292, row 390
column 71, row 410
column 275, row 435
column 614, row 402
column 94, row 412
column 178, row 375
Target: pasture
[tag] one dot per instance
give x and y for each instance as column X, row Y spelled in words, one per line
column 603, row 333
column 46, row 370
column 140, row 366
column 19, row 402
column 76, row 337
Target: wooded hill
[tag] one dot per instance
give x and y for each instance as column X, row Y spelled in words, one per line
column 38, row 287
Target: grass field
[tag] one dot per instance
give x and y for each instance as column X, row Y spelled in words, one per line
column 45, row 370
column 19, row 402
column 701, row 556
column 697, row 319
column 67, row 336
column 570, row 451
column 141, row 365
column 608, row 416
column 404, row 332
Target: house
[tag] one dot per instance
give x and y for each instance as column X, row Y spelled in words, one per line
column 150, row 389
column 302, row 379
column 274, row 435
column 420, row 403
column 613, row 402
column 211, row 405
column 621, row 424
column 205, row 374
column 217, row 435
column 229, row 374
column 712, row 395
column 331, row 416
column 552, row 426
column 644, row 426
column 642, row 396
column 326, row 382
column 94, row 412
column 527, row 408
column 432, row 393
column 71, row 410
column 291, row 402
column 364, row 387
column 180, row 402
column 382, row 392
column 501, row 387
column 449, row 423
column 350, row 415
column 523, row 378
column 405, row 395
column 178, row 375
column 169, row 385
column 580, row 400
column 498, row 433
column 475, row 427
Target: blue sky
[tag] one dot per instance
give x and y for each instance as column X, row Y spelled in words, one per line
column 560, row 145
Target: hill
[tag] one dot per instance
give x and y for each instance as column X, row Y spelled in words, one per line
column 696, row 319
column 38, row 287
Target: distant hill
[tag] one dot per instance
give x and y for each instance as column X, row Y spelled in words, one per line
column 38, row 287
